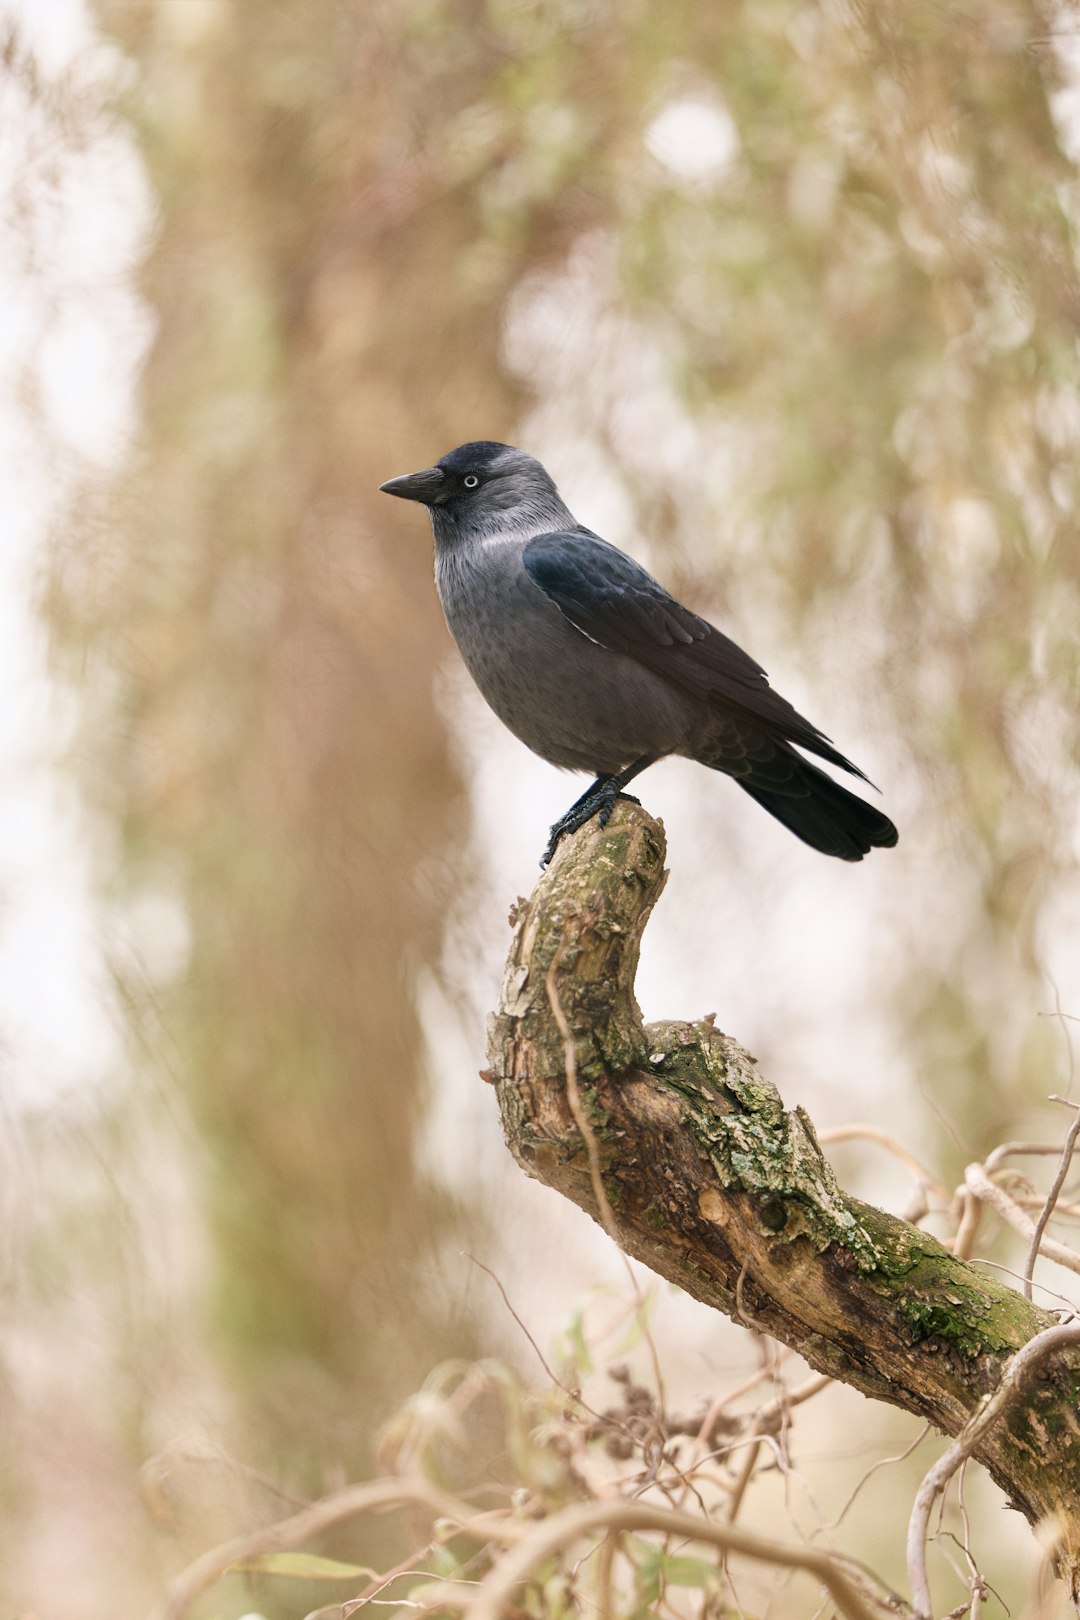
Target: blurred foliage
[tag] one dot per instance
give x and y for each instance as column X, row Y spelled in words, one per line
column 274, row 755
column 851, row 271
column 593, row 1438
column 879, row 305
column 802, row 275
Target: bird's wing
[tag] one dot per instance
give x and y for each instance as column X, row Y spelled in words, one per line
column 612, row 600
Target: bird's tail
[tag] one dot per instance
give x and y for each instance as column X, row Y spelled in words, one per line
column 819, row 811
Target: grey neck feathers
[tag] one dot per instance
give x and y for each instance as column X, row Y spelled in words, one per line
column 538, row 513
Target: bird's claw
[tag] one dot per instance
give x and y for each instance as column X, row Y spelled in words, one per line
column 609, row 804
column 599, row 804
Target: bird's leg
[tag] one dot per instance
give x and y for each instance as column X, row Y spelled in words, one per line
column 599, row 798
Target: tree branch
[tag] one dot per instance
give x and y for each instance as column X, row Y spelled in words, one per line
column 566, row 1526
column 716, row 1187
column 1018, row 1370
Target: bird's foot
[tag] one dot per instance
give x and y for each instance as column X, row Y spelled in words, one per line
column 600, row 803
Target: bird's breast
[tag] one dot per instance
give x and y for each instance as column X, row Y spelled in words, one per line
column 574, row 702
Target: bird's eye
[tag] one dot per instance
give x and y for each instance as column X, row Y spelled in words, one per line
column 470, row 480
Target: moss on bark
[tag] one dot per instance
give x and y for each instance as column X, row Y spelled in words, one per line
column 721, row 1190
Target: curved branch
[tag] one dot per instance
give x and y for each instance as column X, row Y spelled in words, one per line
column 314, row 1521
column 566, row 1526
column 715, row 1186
column 988, row 1192
column 1019, row 1369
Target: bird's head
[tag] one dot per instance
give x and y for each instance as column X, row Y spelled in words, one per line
column 483, row 488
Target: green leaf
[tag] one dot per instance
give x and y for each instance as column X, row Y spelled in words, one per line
column 443, row 1560
column 646, row 1572
column 305, row 1567
column 640, row 1324
column 681, row 1570
column 654, row 1569
column 428, row 1595
column 572, row 1345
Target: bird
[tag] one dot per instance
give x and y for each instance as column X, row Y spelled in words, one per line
column 596, row 667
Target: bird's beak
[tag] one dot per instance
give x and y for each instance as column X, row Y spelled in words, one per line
column 418, row 486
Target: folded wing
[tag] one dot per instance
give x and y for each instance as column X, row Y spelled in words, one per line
column 612, row 600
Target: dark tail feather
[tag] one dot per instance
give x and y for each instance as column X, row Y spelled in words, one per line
column 822, row 813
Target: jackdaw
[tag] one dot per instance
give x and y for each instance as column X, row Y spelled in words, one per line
column 595, row 667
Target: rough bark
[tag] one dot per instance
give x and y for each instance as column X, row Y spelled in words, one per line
column 717, row 1187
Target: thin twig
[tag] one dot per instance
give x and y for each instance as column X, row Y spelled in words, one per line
column 1070, row 1212
column 574, row 1396
column 874, row 1133
column 968, row 1229
column 965, row 1520
column 547, row 1538
column 795, row 1397
column 1064, row 1307
column 541, row 1358
column 312, row 1522
column 642, row 1318
column 743, row 1478
column 1016, row 1370
column 741, row 1313
column 882, row 1462
column 980, row 1184
column 1064, row 1018
column 381, row 1582
column 605, row 1583
column 588, row 1136
column 1052, row 1195
column 1019, row 1150
column 573, row 1095
column 708, row 1422
column 155, row 1471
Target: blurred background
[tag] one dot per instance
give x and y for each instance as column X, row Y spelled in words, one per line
column 785, row 294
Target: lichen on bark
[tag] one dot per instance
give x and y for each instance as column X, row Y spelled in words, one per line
column 720, row 1189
